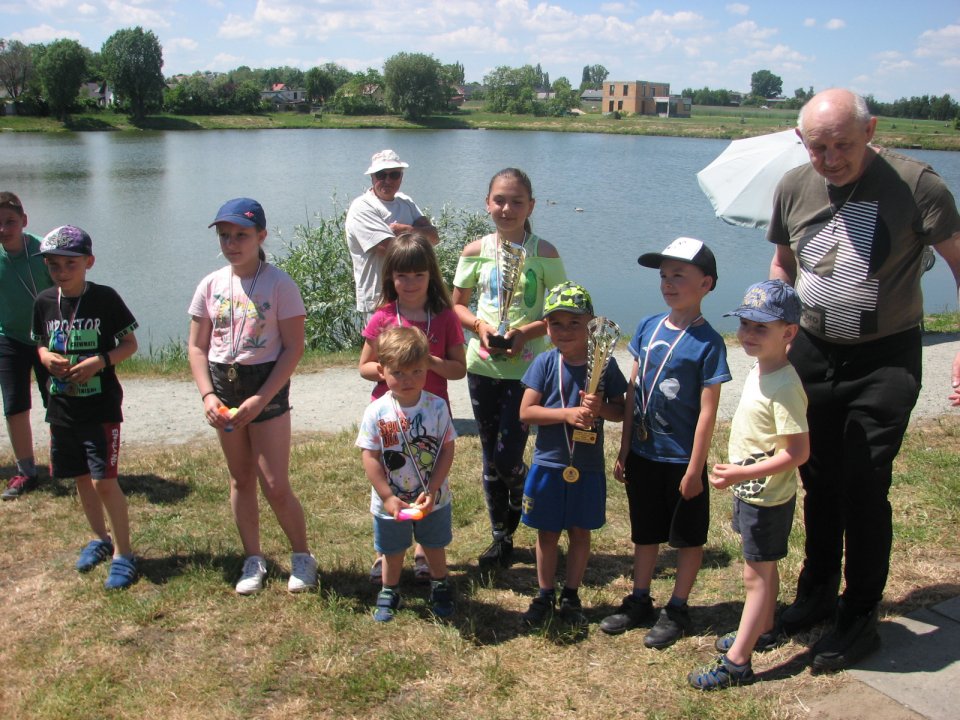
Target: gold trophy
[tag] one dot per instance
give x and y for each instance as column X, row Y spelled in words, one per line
column 510, row 259
column 602, row 337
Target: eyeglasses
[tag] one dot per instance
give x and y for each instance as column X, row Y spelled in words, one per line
column 392, row 174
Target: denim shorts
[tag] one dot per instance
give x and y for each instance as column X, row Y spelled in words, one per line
column 764, row 529
column 79, row 450
column 551, row 503
column 250, row 379
column 391, row 537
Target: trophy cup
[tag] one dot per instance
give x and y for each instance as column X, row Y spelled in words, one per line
column 510, row 259
column 602, row 336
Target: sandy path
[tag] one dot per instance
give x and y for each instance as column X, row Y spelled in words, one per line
column 169, row 411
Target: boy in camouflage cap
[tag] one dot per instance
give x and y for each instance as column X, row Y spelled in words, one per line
column 566, row 486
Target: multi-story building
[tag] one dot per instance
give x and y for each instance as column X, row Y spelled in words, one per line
column 641, row 97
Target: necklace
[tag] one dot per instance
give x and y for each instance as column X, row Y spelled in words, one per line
column 642, row 432
column 835, row 211
column 236, row 336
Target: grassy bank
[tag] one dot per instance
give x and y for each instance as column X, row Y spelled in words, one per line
column 181, row 644
column 708, row 122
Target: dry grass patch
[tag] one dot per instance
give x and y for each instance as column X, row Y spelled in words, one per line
column 181, row 644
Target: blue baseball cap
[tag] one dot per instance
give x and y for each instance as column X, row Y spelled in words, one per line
column 768, row 301
column 241, row 211
column 66, row 240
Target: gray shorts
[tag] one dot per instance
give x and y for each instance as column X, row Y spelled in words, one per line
column 764, row 530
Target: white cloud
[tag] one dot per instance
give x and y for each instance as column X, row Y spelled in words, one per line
column 809, row 22
column 181, row 43
column 224, row 62
column 43, row 34
column 944, row 42
column 126, row 14
column 738, row 9
column 236, row 27
column 278, row 11
column 87, row 10
column 835, row 24
column 613, row 7
column 472, row 38
column 282, row 37
column 683, row 18
column 748, row 31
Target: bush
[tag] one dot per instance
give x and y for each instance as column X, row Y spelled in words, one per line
column 319, row 262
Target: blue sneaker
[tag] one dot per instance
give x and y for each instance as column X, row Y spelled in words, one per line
column 388, row 602
column 441, row 600
column 123, row 573
column 722, row 674
column 766, row 642
column 93, row 554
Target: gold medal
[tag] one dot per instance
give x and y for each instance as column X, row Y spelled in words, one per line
column 571, row 474
column 642, row 433
column 232, row 373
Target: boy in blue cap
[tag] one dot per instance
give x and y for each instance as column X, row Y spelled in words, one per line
column 83, row 330
column 768, row 441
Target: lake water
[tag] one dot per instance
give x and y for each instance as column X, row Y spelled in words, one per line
column 146, row 199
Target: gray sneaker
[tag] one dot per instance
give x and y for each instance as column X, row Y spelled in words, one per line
column 251, row 577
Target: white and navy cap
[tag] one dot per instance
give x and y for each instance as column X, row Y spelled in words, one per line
column 688, row 250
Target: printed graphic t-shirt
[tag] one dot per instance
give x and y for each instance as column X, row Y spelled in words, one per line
column 426, row 427
column 80, row 328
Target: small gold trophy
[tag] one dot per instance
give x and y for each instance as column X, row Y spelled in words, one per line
column 602, row 337
column 510, row 259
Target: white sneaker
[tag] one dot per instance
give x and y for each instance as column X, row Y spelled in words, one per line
column 251, row 579
column 303, row 572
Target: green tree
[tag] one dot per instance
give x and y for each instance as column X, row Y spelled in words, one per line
column 192, row 96
column 593, row 77
column 511, row 90
column 413, row 83
column 16, row 67
column 61, row 66
column 453, row 74
column 134, row 63
column 319, row 84
column 765, row 84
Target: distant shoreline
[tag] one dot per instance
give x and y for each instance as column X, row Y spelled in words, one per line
column 710, row 123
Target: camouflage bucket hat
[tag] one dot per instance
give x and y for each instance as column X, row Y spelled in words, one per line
column 569, row 297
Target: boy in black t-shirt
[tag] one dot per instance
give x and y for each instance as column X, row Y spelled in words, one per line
column 83, row 330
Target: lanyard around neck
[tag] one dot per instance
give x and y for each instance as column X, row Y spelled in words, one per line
column 409, row 452
column 32, row 287
column 236, row 336
column 571, row 443
column 68, row 333
column 400, row 319
column 645, row 396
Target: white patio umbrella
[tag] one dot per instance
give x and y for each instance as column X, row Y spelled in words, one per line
column 740, row 182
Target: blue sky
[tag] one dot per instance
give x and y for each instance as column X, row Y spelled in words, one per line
column 888, row 48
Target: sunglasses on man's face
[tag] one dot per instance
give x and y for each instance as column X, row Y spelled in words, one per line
column 392, row 174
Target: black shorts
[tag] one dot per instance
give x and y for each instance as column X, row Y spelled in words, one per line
column 80, row 450
column 17, row 359
column 250, row 379
column 764, row 529
column 658, row 512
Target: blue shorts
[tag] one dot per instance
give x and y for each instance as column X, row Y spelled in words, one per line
column 17, row 359
column 391, row 537
column 80, row 450
column 551, row 503
column 764, row 529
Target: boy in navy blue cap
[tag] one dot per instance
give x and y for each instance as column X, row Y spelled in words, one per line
column 768, row 441
column 83, row 330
